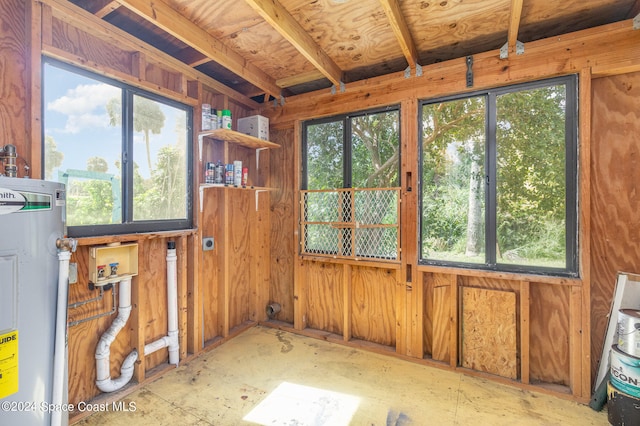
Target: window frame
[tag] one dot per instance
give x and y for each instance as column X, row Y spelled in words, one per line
column 128, row 225
column 570, row 83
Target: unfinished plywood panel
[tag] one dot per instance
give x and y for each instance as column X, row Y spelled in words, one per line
column 549, row 333
column 283, row 224
column 212, row 264
column 437, row 316
column 324, row 291
column 93, row 50
column 238, row 236
column 488, row 331
column 14, row 90
column 152, row 298
column 83, row 337
column 373, row 313
column 615, row 200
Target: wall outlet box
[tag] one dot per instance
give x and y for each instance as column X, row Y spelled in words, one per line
column 207, row 243
column 256, row 126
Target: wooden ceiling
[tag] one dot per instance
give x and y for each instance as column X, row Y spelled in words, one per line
column 280, row 48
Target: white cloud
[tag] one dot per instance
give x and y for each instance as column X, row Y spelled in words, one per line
column 84, row 106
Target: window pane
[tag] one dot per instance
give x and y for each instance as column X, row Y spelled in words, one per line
column 375, row 144
column 324, row 155
column 83, row 145
column 453, row 190
column 530, row 140
column 160, row 161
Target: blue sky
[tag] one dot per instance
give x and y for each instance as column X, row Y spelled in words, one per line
column 76, row 117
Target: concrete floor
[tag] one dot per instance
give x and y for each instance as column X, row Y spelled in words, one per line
column 271, row 377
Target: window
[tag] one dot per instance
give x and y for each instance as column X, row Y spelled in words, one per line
column 350, row 177
column 123, row 154
column 354, row 151
column 499, row 178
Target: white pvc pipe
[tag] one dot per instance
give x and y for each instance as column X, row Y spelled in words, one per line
column 103, row 372
column 172, row 300
column 60, row 344
column 171, row 340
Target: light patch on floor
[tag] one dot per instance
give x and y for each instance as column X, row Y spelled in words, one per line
column 292, row 404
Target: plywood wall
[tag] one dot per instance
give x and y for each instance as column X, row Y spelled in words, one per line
column 373, row 305
column 15, row 128
column 615, row 198
column 147, row 322
column 325, row 296
column 284, row 249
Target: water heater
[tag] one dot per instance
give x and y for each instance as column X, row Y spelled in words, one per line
column 32, row 219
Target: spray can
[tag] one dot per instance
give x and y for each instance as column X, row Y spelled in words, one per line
column 245, row 176
column 219, row 173
column 209, row 173
column 237, row 173
column 206, row 117
column 226, row 119
column 229, row 175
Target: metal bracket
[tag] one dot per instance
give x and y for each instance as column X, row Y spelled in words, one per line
column 469, row 71
column 258, row 191
column 636, row 22
column 333, row 88
column 407, row 71
column 504, row 50
column 258, row 157
column 276, row 101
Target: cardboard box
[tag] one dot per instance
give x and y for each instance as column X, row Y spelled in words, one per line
column 256, row 126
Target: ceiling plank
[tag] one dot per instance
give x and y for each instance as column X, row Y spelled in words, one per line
column 401, row 30
column 281, row 20
column 299, row 79
column 514, row 24
column 162, row 15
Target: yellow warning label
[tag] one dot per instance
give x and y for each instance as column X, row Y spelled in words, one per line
column 8, row 364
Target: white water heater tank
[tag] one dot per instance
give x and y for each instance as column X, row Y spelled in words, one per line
column 32, row 218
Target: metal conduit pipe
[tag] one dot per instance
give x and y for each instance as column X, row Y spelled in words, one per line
column 104, row 382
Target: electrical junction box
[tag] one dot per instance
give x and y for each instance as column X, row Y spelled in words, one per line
column 256, row 126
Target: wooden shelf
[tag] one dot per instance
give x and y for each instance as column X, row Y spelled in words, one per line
column 237, row 138
column 223, row 186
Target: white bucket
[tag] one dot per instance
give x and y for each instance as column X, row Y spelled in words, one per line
column 629, row 331
column 625, row 372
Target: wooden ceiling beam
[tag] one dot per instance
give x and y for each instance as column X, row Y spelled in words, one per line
column 106, row 9
column 514, row 24
column 401, row 30
column 281, row 20
column 163, row 16
column 299, row 79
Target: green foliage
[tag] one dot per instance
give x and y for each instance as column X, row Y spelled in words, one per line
column 89, row 203
column 324, row 155
column 375, row 152
column 163, row 196
column 52, row 155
